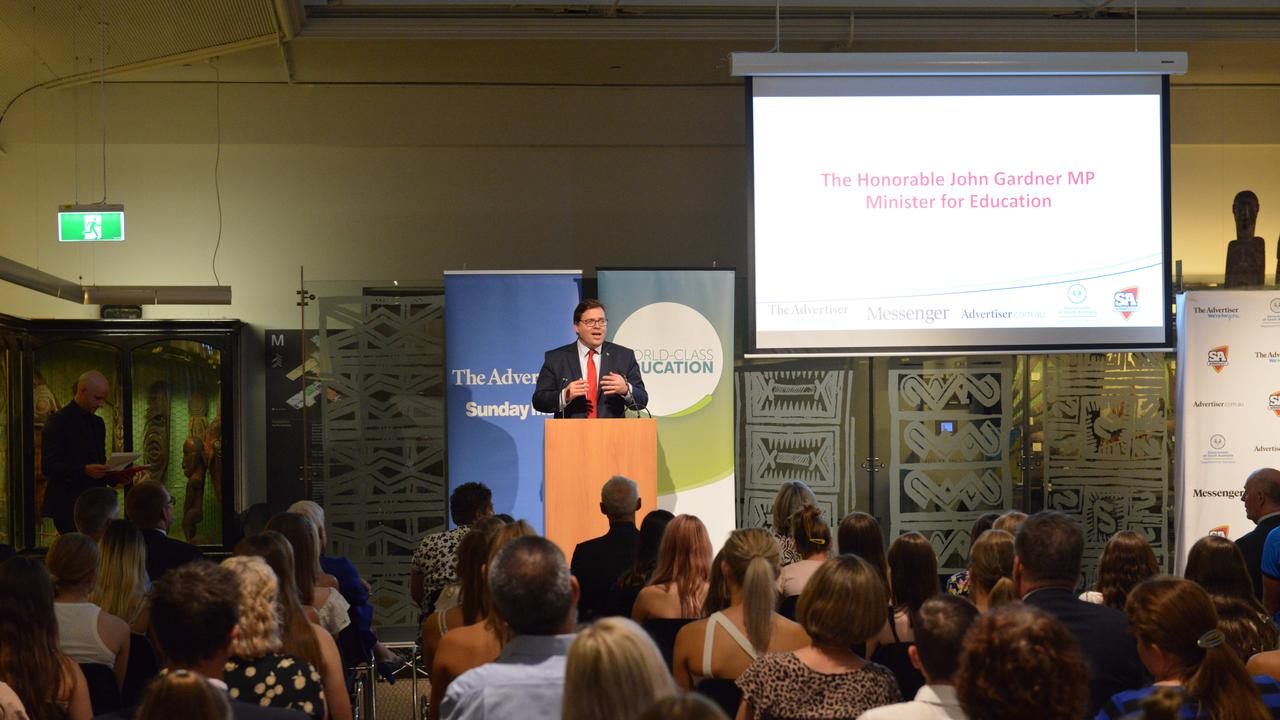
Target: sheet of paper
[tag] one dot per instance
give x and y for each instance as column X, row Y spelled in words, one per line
column 121, row 460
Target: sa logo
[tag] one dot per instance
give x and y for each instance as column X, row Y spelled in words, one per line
column 1221, row 531
column 1125, row 301
column 1217, row 358
column 1273, row 402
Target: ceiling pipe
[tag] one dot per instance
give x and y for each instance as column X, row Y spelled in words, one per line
column 41, row 281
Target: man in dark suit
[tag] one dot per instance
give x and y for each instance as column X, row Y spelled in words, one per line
column 150, row 506
column 1046, row 568
column 1261, row 499
column 589, row 377
column 194, row 612
column 598, row 563
column 73, row 451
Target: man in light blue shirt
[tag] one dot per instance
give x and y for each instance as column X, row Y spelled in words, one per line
column 537, row 597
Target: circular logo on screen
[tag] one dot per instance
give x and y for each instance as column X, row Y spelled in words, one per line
column 679, row 354
column 1217, row 442
column 1077, row 294
column 1275, row 305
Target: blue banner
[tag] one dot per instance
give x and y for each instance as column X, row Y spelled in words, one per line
column 497, row 327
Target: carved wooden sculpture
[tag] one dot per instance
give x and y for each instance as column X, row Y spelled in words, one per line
column 213, row 454
column 155, row 432
column 194, row 467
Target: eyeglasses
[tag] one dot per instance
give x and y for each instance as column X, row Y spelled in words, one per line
column 595, row 323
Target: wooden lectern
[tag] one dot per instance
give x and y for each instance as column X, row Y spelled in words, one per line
column 580, row 455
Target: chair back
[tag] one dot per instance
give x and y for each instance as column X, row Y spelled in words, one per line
column 787, row 608
column 144, row 665
column 104, row 694
column 724, row 693
column 664, row 633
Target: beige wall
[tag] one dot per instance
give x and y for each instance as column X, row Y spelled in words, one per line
column 380, row 182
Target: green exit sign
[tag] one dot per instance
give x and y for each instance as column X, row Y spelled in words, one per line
column 91, row 223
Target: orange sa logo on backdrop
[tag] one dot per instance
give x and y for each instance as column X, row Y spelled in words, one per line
column 1218, row 358
column 1273, row 402
column 1125, row 301
column 1222, row 531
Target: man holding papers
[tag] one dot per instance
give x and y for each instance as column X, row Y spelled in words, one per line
column 589, row 378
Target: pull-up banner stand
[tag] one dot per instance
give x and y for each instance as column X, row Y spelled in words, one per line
column 1228, row 407
column 497, row 327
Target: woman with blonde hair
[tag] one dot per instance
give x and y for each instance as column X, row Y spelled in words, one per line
column 792, row 497
column 1180, row 644
column 185, row 693
column 1010, row 521
column 474, row 645
column 678, row 587
column 826, row 679
column 712, row 653
column 85, row 633
column 49, row 685
column 299, row 636
column 991, row 570
column 1126, row 561
column 613, row 671
column 257, row 672
column 122, row 576
column 331, row 609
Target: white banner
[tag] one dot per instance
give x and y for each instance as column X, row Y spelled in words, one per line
column 1228, row 407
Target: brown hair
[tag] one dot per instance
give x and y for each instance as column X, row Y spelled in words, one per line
column 690, row 706
column 1248, row 628
column 991, row 567
column 473, row 554
column 1177, row 616
column 842, row 583
column 185, row 693
column 860, row 535
column 1020, row 662
column 1010, row 521
column 72, row 560
column 684, row 561
column 1126, row 561
column 296, row 633
column 792, row 497
column 30, row 661
column 305, row 541
column 811, row 533
column 1217, row 565
column 913, row 572
column 751, row 558
column 584, row 306
column 940, row 629
column 145, row 504
column 1163, row 704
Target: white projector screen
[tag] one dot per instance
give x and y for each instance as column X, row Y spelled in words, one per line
column 959, row 213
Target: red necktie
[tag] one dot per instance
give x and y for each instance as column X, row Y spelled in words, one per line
column 591, row 383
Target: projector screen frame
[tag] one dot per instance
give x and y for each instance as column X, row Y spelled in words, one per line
column 945, row 64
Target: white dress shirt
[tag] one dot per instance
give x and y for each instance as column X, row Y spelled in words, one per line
column 582, row 366
column 933, row 702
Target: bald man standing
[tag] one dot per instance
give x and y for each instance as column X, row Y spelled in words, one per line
column 73, row 453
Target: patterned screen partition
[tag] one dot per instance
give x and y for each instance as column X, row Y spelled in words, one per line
column 383, row 484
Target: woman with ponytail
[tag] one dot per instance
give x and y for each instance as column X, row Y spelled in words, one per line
column 722, row 646
column 1180, row 644
column 812, row 537
column 991, row 570
column 792, row 497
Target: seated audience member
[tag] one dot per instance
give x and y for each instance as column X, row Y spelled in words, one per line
column 300, row 637
column 47, row 683
column 354, row 589
column 958, row 583
column 187, row 693
column 679, row 584
column 536, row 596
column 792, row 497
column 623, row 594
column 437, row 555
column 473, row 591
column 991, row 570
column 86, row 634
column 1261, row 499
column 1046, row 567
column 712, row 653
column 194, row 612
column 598, row 563
column 257, row 672
column 329, row 605
column 812, row 539
column 826, row 679
column 1126, row 561
column 480, row 642
column 94, row 508
column 940, row 630
column 859, row 534
column 1010, row 522
column 1163, row 704
column 150, row 506
column 1180, row 644
column 913, row 578
column 122, row 575
column 1019, row 663
column 1217, row 565
column 613, row 671
column 687, row 706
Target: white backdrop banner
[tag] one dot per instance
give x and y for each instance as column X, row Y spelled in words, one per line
column 1228, row 407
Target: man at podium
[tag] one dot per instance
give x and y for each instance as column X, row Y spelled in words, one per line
column 589, row 377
